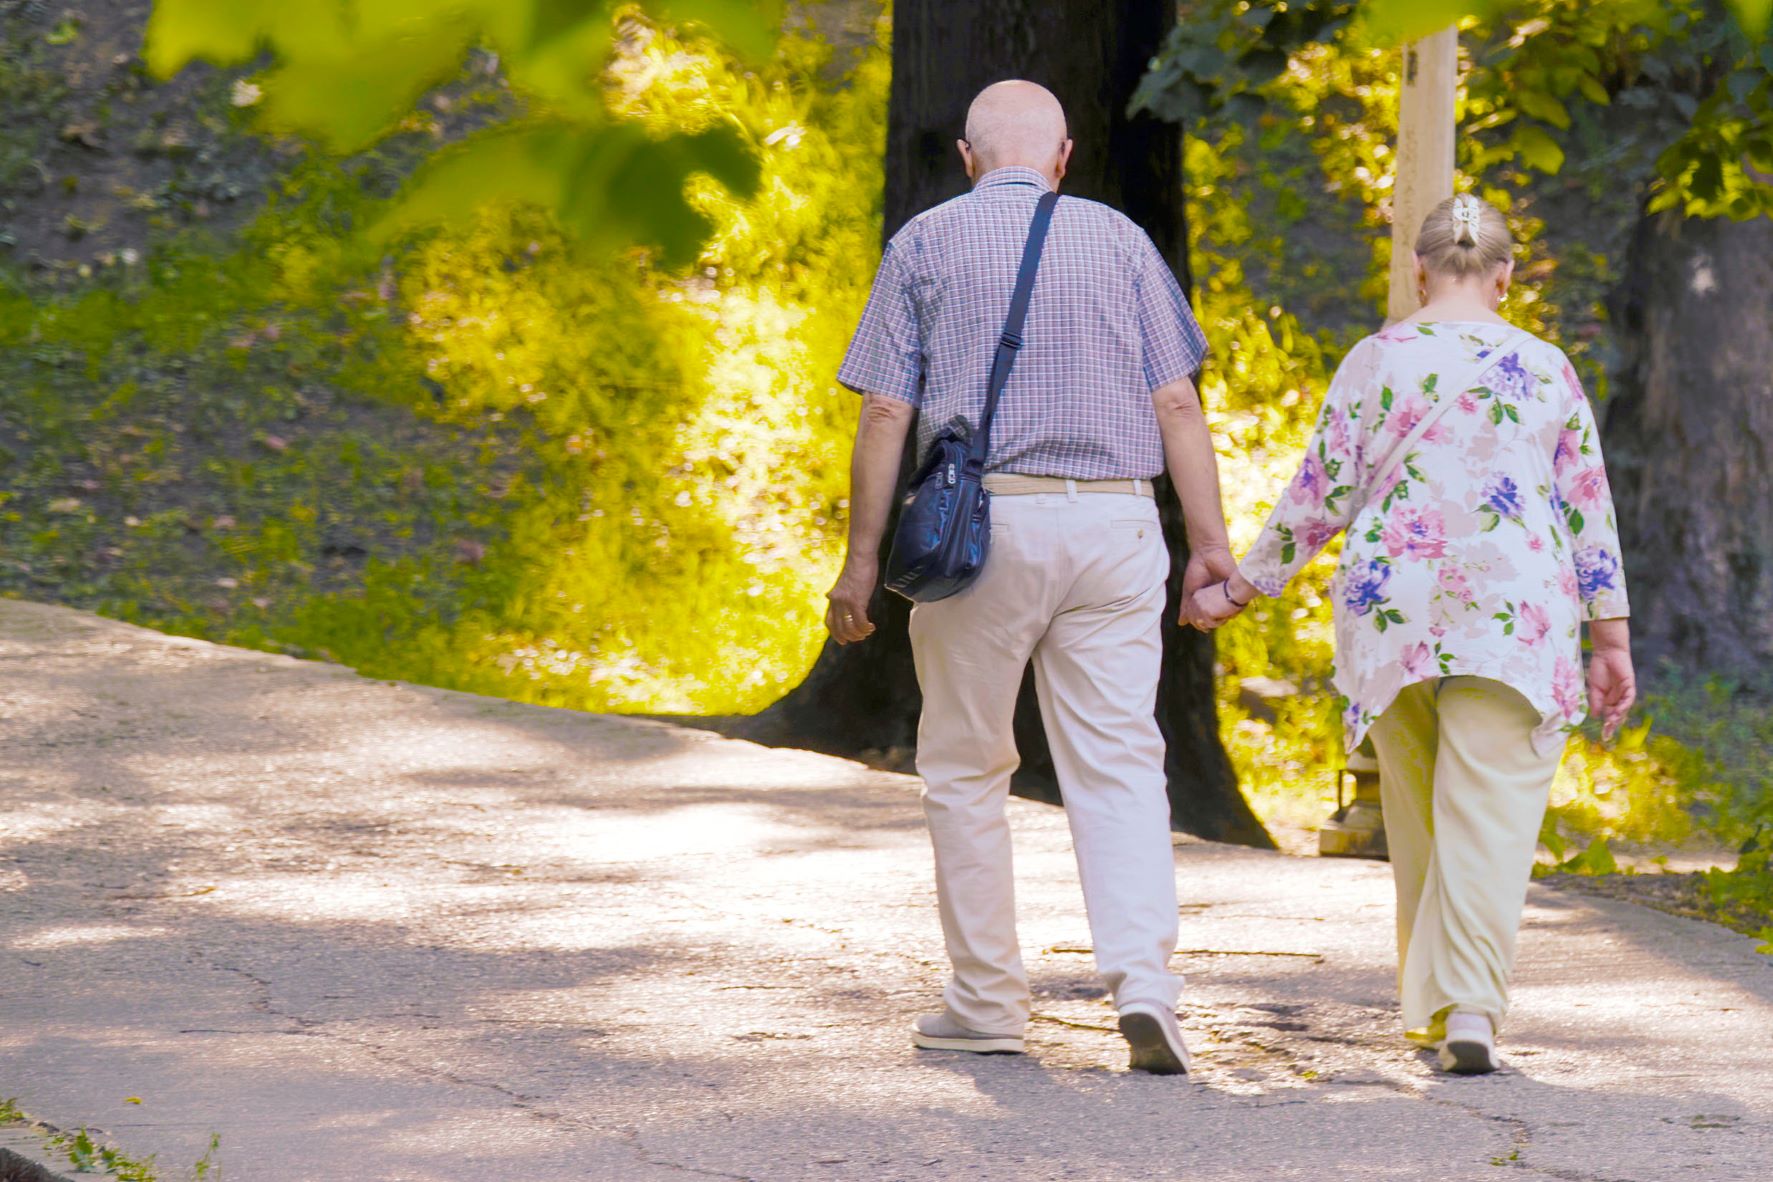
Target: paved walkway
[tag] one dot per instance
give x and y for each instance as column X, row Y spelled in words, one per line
column 371, row 931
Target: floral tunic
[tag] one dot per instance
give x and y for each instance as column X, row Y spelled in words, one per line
column 1491, row 542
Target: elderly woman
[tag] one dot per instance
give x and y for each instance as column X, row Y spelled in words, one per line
column 1461, row 458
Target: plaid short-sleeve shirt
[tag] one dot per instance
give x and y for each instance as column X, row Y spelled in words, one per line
column 1107, row 324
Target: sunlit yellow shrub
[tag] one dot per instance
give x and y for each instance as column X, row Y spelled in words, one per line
column 695, row 441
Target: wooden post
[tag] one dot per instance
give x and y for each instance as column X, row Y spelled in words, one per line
column 1425, row 128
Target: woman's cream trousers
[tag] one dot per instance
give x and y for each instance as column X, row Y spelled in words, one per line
column 1464, row 793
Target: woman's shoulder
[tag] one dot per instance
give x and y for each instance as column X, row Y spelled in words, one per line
column 1407, row 353
column 1427, row 342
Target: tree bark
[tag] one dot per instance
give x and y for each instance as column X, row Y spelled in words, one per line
column 1689, row 443
column 863, row 700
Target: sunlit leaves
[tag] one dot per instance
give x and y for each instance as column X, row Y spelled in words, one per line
column 1407, row 20
column 605, row 188
column 748, row 26
column 1537, row 149
column 1546, row 106
column 611, row 195
column 345, row 74
column 1753, row 15
column 690, row 517
column 1695, row 111
column 344, row 96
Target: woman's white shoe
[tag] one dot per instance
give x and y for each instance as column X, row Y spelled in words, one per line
column 1470, row 1045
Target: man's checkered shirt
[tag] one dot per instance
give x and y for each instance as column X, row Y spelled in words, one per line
column 1107, row 325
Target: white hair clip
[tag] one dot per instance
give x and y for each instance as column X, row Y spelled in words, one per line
column 1467, row 218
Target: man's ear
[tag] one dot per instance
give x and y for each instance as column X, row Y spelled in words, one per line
column 966, row 154
column 1064, row 159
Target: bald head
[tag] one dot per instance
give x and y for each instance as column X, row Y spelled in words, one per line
column 1016, row 123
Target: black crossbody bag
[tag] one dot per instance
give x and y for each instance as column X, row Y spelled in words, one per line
column 944, row 529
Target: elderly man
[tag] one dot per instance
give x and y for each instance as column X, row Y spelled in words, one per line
column 1100, row 401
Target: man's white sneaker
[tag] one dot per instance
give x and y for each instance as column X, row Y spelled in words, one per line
column 1470, row 1045
column 1155, row 1038
column 939, row 1032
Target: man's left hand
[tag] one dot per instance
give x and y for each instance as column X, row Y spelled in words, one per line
column 847, row 617
column 1206, row 565
column 1209, row 608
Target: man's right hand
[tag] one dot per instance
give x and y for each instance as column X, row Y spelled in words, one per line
column 847, row 617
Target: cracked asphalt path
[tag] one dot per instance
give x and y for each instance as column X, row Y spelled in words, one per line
column 374, row 931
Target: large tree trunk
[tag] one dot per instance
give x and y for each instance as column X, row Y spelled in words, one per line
column 863, row 699
column 1689, row 442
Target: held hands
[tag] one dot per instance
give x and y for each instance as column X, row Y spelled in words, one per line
column 1208, row 585
column 1212, row 606
column 847, row 617
column 1206, row 564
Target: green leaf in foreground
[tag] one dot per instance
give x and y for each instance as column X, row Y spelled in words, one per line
column 608, row 184
column 346, row 74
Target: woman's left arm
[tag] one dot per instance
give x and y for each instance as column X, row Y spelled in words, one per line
column 1317, row 504
column 1585, row 498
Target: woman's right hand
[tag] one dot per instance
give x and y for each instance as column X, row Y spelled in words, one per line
column 1212, row 605
column 1612, row 683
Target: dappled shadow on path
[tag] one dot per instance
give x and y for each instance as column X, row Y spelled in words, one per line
column 379, row 931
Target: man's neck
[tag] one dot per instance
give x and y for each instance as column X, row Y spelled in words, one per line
column 1046, row 176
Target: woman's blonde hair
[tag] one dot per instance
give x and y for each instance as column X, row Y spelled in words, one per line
column 1464, row 236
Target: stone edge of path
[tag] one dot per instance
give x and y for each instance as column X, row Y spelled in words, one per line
column 24, row 1156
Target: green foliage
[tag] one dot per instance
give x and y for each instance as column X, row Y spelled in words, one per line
column 491, row 460
column 208, row 1164
column 1595, row 858
column 89, row 1156
column 1753, row 15
column 1289, row 250
column 603, row 189
column 348, row 74
column 1746, row 893
column 1670, row 94
column 1218, row 59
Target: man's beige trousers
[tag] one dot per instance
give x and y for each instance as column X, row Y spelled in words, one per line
column 1075, row 584
column 1464, row 794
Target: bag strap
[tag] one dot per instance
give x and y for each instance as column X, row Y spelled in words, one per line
column 1011, row 339
column 1449, row 394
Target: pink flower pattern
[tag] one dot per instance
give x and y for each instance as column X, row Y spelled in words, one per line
column 1452, row 581
column 1406, row 414
column 1534, row 624
column 1588, row 488
column 1415, row 534
column 1418, row 662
